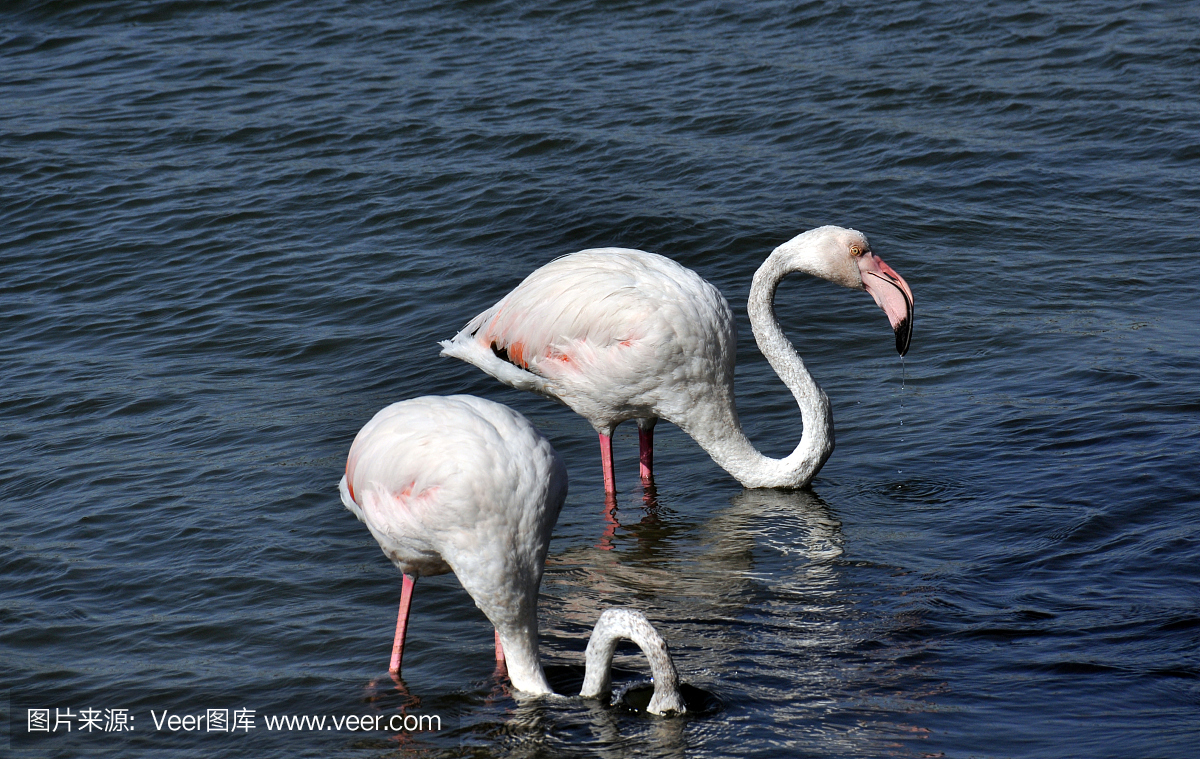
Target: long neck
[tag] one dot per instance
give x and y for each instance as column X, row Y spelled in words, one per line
column 614, row 625
column 517, row 626
column 721, row 434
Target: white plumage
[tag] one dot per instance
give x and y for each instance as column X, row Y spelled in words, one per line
column 466, row 485
column 619, row 334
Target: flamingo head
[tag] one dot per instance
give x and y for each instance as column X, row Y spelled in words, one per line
column 844, row 256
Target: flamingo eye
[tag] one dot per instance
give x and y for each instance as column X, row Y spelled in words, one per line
column 856, row 251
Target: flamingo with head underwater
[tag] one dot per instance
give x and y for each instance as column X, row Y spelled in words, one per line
column 466, row 485
column 619, row 334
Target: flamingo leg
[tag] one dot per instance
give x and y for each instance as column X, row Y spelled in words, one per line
column 501, row 665
column 646, row 454
column 402, row 623
column 606, row 460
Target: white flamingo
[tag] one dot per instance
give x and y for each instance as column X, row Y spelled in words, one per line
column 466, row 485
column 620, row 334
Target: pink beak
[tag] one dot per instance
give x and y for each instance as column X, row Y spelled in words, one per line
column 892, row 294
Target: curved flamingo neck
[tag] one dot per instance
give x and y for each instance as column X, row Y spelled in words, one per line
column 617, row 624
column 721, row 434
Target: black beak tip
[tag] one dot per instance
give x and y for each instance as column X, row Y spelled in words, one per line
column 904, row 335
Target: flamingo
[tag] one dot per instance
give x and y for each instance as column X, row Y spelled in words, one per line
column 466, row 485
column 619, row 334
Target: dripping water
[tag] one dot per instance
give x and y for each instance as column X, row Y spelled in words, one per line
column 903, row 383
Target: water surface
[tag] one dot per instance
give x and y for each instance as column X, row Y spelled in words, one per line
column 230, row 233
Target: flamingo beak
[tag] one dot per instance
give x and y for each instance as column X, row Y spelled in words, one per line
column 892, row 294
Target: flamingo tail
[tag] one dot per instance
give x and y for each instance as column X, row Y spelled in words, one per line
column 466, row 347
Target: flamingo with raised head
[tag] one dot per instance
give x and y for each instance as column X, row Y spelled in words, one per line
column 619, row 334
column 466, row 485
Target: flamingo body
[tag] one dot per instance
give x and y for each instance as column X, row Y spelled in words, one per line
column 614, row 333
column 466, row 485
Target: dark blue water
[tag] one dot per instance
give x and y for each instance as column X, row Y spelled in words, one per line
column 231, row 232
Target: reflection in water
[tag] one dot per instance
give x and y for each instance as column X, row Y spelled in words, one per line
column 757, row 606
column 765, row 539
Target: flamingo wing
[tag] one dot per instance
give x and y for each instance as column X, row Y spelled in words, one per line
column 603, row 327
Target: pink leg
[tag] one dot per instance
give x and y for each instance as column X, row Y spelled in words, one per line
column 610, row 477
column 646, row 448
column 501, row 672
column 401, row 624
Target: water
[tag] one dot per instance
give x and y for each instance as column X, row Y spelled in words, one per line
column 232, row 232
